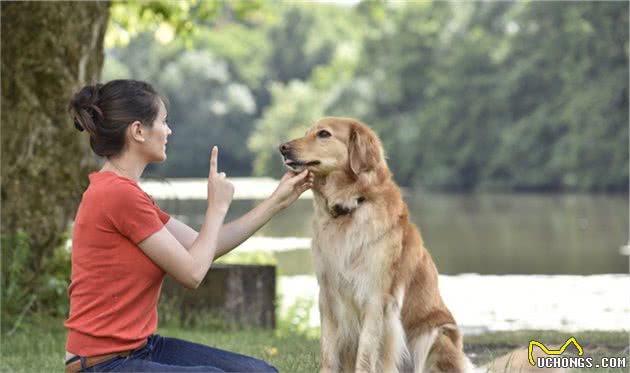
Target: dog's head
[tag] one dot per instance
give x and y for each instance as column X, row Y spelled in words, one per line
column 334, row 144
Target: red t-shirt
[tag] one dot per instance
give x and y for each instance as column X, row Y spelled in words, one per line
column 115, row 287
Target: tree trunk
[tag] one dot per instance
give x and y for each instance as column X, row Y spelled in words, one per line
column 49, row 50
column 232, row 295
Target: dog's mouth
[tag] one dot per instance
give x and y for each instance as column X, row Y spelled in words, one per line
column 295, row 165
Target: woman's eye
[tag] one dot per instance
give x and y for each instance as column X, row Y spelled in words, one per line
column 323, row 134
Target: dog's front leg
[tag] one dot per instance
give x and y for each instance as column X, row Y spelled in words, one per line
column 394, row 351
column 370, row 339
column 329, row 357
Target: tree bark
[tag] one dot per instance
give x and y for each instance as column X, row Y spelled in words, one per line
column 233, row 295
column 49, row 50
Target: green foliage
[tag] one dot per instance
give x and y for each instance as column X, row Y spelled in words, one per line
column 167, row 19
column 244, row 49
column 307, row 37
column 529, row 96
column 213, row 109
column 293, row 108
column 207, row 105
column 17, row 295
column 466, row 96
column 26, row 293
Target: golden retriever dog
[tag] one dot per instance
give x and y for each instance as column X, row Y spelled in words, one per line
column 381, row 310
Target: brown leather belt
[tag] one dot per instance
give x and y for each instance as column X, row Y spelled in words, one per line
column 91, row 361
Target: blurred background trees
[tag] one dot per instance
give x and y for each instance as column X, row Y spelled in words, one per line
column 480, row 96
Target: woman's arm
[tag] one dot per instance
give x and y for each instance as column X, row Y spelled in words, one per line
column 189, row 267
column 231, row 234
column 236, row 232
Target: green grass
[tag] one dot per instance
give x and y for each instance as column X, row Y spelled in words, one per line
column 291, row 353
column 41, row 349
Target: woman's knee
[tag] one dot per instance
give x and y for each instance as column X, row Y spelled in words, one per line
column 264, row 367
column 252, row 364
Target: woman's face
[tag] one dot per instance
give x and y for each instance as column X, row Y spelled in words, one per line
column 155, row 144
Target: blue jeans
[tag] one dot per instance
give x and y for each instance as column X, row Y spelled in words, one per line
column 175, row 355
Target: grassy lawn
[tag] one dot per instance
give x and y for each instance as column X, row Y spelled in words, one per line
column 42, row 351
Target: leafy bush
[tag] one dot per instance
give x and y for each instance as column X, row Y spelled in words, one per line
column 26, row 294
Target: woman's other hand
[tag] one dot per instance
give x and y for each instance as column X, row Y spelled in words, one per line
column 291, row 186
column 220, row 191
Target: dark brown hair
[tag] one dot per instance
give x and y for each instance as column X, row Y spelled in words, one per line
column 106, row 110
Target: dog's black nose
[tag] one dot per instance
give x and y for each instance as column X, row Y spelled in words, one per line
column 285, row 148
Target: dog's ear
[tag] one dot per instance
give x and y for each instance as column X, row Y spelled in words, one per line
column 364, row 150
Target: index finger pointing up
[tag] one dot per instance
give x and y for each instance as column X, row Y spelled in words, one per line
column 213, row 160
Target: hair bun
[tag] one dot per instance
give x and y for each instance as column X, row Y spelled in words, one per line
column 78, row 125
column 85, row 109
column 105, row 111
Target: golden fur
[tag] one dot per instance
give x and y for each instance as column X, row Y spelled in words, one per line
column 381, row 310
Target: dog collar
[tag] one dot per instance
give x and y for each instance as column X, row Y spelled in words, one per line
column 341, row 210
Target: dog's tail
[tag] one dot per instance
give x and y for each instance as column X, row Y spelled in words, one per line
column 440, row 350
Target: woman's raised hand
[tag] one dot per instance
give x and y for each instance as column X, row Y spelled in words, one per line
column 220, row 191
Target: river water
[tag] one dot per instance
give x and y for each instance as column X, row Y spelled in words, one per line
column 507, row 261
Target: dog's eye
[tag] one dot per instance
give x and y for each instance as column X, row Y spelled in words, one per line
column 323, row 134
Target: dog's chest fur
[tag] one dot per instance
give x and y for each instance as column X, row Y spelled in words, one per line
column 351, row 252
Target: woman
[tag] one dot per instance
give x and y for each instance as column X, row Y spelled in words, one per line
column 123, row 244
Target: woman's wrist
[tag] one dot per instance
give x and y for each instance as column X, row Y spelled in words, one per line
column 275, row 205
column 217, row 210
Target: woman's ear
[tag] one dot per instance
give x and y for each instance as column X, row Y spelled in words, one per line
column 137, row 131
column 363, row 150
